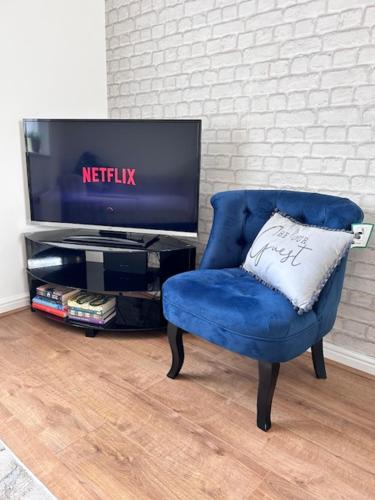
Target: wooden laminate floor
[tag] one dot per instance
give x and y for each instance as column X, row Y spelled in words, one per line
column 97, row 418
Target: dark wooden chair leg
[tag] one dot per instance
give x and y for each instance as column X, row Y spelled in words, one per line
column 268, row 373
column 318, row 359
column 177, row 348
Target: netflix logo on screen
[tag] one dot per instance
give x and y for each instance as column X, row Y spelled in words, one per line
column 109, row 175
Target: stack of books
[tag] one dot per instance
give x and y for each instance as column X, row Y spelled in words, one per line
column 92, row 308
column 53, row 299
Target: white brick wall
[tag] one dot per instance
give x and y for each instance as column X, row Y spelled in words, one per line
column 286, row 92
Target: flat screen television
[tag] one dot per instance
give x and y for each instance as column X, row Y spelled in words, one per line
column 122, row 175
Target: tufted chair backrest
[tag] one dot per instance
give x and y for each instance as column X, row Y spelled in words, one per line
column 239, row 216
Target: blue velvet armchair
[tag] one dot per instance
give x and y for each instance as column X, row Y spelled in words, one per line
column 223, row 304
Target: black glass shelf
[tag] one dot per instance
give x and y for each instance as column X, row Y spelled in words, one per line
column 134, row 275
column 91, row 277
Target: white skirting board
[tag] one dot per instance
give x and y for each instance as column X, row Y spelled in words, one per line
column 350, row 358
column 331, row 351
column 15, row 302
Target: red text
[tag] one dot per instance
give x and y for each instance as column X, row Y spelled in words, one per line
column 109, row 174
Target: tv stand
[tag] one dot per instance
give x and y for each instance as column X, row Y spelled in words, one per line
column 114, row 238
column 134, row 274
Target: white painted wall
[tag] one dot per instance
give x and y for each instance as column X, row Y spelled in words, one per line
column 52, row 65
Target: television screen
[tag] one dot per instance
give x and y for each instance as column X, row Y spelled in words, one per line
column 125, row 174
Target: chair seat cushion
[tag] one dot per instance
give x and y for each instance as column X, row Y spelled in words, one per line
column 231, row 308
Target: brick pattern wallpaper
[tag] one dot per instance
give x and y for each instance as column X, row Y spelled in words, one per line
column 286, row 92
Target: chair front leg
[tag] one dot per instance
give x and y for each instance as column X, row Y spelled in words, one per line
column 318, row 359
column 268, row 373
column 177, row 348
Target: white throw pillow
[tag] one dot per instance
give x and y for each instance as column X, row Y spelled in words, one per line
column 295, row 258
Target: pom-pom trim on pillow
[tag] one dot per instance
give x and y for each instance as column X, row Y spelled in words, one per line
column 326, row 276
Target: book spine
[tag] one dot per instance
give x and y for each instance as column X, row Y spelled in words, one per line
column 86, row 315
column 92, row 309
column 92, row 320
column 44, row 293
column 50, row 310
column 89, row 314
column 47, row 295
column 59, row 294
column 58, row 299
column 48, row 302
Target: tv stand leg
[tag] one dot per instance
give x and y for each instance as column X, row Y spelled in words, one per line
column 90, row 332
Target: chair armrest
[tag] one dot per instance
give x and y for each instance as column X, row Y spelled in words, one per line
column 225, row 244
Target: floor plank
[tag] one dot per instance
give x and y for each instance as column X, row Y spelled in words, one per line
column 62, row 481
column 273, row 486
column 282, row 451
column 97, row 418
